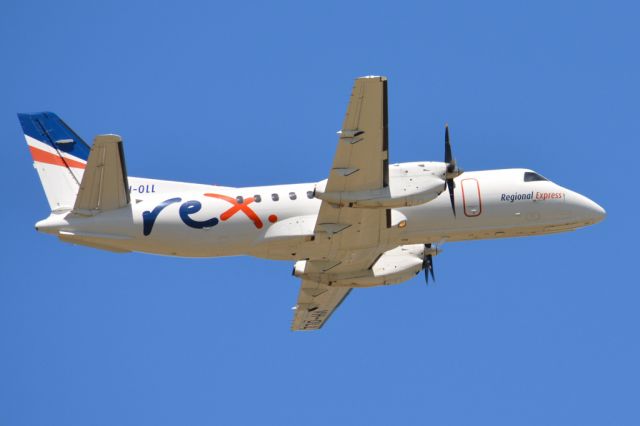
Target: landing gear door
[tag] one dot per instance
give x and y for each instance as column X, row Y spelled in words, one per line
column 471, row 197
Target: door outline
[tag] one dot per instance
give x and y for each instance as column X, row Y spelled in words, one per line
column 464, row 201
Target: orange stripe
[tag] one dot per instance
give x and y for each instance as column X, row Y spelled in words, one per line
column 49, row 158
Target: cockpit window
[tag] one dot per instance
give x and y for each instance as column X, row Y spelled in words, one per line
column 533, row 177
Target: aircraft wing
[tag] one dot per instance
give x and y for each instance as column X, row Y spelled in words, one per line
column 361, row 159
column 350, row 239
column 316, row 303
column 104, row 185
column 353, row 237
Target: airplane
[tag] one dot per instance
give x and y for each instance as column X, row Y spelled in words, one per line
column 370, row 223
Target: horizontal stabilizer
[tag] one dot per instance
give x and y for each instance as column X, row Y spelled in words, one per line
column 107, row 242
column 104, row 185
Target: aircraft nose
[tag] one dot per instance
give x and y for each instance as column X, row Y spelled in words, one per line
column 589, row 210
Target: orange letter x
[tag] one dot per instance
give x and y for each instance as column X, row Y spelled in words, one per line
column 238, row 206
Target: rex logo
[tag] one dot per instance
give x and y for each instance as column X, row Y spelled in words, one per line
column 191, row 207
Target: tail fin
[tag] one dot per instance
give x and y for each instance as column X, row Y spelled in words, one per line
column 59, row 155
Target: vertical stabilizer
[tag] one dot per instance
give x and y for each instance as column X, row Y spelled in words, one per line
column 59, row 155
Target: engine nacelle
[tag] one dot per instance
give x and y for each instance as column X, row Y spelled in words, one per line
column 393, row 267
column 410, row 184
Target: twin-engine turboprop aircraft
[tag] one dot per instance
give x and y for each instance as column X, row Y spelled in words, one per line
column 370, row 223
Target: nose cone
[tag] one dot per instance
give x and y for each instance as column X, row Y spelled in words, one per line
column 587, row 210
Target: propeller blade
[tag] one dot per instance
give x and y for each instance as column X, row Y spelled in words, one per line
column 452, row 170
column 427, row 265
column 447, row 145
column 428, row 269
column 451, row 186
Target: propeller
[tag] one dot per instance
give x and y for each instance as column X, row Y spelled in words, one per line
column 452, row 170
column 427, row 264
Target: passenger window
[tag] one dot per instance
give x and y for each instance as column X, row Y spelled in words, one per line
column 275, row 197
column 533, row 177
column 310, row 195
column 257, row 198
column 240, row 200
column 292, row 195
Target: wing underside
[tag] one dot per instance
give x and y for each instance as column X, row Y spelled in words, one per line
column 349, row 239
column 316, row 303
column 361, row 158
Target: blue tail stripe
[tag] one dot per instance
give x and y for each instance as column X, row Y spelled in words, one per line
column 47, row 127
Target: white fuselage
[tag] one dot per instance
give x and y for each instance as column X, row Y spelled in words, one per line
column 193, row 220
column 368, row 224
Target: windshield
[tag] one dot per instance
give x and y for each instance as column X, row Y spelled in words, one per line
column 533, row 177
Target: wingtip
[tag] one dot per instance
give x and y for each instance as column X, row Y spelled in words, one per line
column 381, row 77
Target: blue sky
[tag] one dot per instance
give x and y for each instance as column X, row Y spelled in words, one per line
column 527, row 331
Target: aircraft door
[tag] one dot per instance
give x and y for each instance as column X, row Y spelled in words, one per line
column 471, row 197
